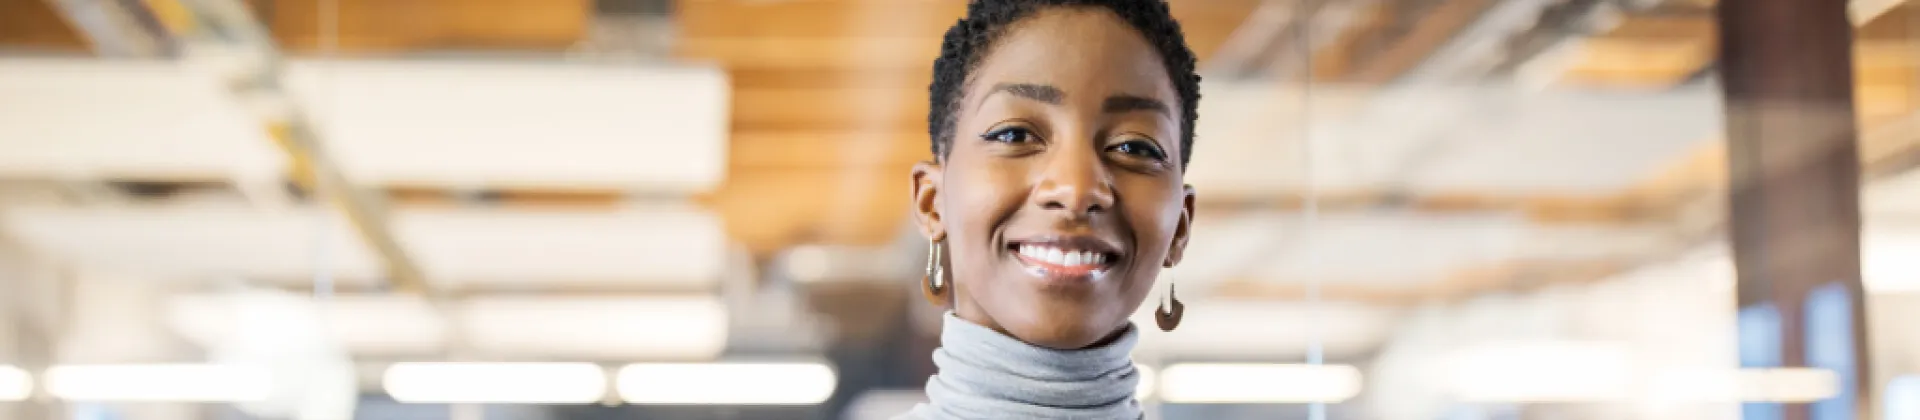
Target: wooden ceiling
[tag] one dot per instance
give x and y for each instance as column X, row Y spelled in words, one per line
column 828, row 99
column 365, row 26
column 829, row 106
column 34, row 25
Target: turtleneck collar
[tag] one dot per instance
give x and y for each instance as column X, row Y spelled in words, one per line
column 987, row 375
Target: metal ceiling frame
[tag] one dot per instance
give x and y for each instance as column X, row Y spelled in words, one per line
column 225, row 35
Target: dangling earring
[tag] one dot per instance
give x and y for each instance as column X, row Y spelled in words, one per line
column 1169, row 319
column 935, row 286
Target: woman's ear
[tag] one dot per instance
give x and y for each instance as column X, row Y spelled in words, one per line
column 1179, row 246
column 926, row 199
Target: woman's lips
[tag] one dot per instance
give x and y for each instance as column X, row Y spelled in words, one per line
column 1064, row 263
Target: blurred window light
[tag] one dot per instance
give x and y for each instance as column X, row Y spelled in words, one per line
column 1781, row 385
column 1903, row 398
column 523, row 383
column 726, row 383
column 1540, row 371
column 1258, row 383
column 158, row 382
column 1887, row 265
column 1144, row 390
column 15, row 384
column 1788, row 385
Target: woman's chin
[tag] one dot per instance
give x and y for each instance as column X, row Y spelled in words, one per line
column 1066, row 334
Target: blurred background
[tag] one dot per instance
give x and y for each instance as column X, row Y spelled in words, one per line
column 697, row 209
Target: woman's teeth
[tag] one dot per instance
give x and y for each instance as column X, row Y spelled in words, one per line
column 1061, row 257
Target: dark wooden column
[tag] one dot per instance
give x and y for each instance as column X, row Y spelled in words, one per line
column 1787, row 73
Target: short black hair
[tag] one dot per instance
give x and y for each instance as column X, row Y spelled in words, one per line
column 973, row 36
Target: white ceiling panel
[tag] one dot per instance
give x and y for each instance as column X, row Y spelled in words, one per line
column 1388, row 247
column 1394, row 247
column 597, row 328
column 677, row 245
column 635, row 247
column 210, row 242
column 1560, row 141
column 437, row 123
column 1264, row 330
column 520, row 123
column 1222, row 246
column 1441, row 139
column 78, row 118
column 365, row 324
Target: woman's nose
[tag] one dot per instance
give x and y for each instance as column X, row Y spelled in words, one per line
column 1074, row 181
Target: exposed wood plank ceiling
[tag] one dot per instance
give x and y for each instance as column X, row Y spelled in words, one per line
column 828, row 100
column 33, row 24
column 375, row 27
column 366, row 27
column 1660, row 51
column 829, row 106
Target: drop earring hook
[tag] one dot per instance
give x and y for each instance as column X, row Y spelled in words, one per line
column 935, row 286
column 1169, row 318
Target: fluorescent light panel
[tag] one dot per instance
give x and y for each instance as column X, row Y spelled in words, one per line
column 158, row 382
column 15, row 384
column 523, row 383
column 1258, row 383
column 726, row 383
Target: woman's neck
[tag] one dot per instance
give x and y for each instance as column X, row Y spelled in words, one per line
column 972, row 314
column 987, row 374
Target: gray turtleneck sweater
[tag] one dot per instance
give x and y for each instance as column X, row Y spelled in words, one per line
column 986, row 375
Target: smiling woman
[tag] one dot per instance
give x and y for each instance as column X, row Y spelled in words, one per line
column 1061, row 131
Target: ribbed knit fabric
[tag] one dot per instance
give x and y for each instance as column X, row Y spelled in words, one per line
column 986, row 375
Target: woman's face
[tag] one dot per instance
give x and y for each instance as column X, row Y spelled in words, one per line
column 1061, row 196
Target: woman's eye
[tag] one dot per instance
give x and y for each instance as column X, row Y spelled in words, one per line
column 1009, row 135
column 1140, row 148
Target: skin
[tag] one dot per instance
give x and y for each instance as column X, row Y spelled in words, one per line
column 1069, row 128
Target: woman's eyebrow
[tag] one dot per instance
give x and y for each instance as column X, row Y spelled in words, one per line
column 1043, row 93
column 1052, row 95
column 1126, row 103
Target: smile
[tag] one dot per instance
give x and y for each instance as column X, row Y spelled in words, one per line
column 1066, row 260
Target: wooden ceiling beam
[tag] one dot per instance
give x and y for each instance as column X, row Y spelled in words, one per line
column 379, row 26
column 792, row 20
column 770, row 209
column 1663, row 50
column 34, row 24
column 1382, row 54
column 819, row 149
column 850, row 35
column 795, row 108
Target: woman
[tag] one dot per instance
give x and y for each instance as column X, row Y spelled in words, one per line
column 1060, row 130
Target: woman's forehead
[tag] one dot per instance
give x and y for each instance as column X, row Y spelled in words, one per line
column 1086, row 53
